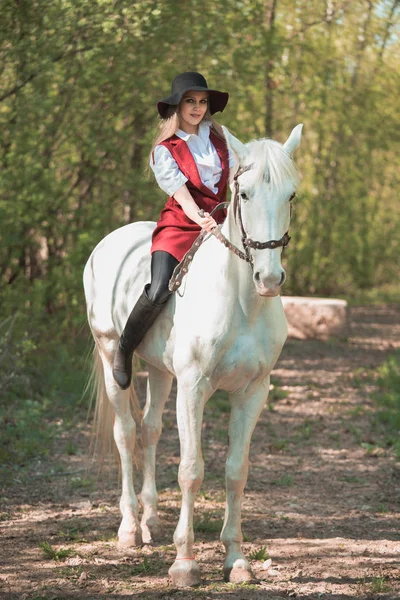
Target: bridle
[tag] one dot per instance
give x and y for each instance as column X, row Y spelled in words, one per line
column 246, row 241
column 182, row 268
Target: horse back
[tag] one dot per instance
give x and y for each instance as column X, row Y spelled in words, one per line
column 115, row 274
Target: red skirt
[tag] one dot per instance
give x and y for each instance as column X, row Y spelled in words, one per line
column 175, row 232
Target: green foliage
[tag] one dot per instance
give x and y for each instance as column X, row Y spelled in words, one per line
column 277, row 394
column 74, row 533
column 42, row 383
column 147, row 565
column 284, row 481
column 208, row 524
column 219, row 403
column 58, row 555
column 260, row 554
column 387, row 400
column 79, row 82
column 376, row 585
column 80, row 483
column 77, row 116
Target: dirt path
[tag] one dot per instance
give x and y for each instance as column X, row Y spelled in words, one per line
column 322, row 500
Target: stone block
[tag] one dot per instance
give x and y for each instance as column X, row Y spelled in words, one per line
column 316, row 318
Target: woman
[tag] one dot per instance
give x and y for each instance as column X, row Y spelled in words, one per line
column 191, row 162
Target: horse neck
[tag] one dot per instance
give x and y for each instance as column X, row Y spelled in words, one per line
column 239, row 273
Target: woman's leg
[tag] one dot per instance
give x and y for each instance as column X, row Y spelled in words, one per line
column 143, row 315
column 162, row 267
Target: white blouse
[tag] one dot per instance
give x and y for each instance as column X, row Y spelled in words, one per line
column 167, row 173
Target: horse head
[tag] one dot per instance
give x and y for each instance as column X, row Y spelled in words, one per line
column 263, row 189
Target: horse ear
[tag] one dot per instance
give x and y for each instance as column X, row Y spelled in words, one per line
column 293, row 140
column 235, row 145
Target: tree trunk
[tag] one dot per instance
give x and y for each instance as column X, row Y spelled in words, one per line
column 270, row 10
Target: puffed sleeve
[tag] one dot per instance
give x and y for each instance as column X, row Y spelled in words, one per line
column 166, row 171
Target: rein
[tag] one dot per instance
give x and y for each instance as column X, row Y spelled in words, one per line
column 182, row 268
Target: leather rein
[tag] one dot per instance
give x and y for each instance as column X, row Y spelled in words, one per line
column 182, row 268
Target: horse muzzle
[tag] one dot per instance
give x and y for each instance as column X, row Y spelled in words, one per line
column 269, row 286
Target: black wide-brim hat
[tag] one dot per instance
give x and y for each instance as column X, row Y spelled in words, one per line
column 196, row 82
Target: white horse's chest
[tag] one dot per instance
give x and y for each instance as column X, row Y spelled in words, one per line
column 231, row 352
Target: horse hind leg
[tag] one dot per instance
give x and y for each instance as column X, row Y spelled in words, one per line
column 158, row 388
column 124, row 430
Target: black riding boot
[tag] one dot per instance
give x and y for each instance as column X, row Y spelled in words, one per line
column 142, row 317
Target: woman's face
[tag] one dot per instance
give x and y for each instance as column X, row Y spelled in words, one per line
column 192, row 109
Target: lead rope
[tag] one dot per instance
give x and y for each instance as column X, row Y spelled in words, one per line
column 182, row 268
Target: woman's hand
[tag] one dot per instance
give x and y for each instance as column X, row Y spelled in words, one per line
column 191, row 210
column 206, row 221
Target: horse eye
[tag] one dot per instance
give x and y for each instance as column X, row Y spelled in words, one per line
column 292, row 197
column 243, row 196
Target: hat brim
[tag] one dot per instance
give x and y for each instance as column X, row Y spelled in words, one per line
column 217, row 100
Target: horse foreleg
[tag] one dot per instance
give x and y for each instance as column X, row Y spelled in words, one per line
column 129, row 532
column 246, row 409
column 191, row 399
column 158, row 389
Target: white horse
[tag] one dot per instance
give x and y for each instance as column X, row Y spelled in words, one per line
column 224, row 330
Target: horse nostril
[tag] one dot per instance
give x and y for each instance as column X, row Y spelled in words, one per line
column 283, row 278
column 257, row 276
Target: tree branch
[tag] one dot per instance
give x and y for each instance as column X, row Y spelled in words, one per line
column 323, row 19
column 32, row 76
column 389, row 24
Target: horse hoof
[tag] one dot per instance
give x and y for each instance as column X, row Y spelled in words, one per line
column 239, row 575
column 185, row 573
column 129, row 539
column 152, row 530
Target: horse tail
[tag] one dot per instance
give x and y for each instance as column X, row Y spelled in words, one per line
column 102, row 445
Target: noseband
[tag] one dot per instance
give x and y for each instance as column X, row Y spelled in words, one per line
column 182, row 268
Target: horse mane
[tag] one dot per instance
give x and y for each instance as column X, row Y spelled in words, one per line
column 271, row 163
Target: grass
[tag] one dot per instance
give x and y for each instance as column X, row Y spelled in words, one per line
column 208, row 524
column 226, row 587
column 379, row 585
column 40, row 395
column 24, row 432
column 353, row 429
column 280, row 445
column 261, row 554
column 387, row 402
column 108, row 536
column 71, row 448
column 74, row 534
column 276, row 394
column 375, row 585
column 356, row 411
column 58, row 555
column 146, row 566
column 70, row 572
column 219, row 403
column 388, row 293
column 352, row 479
column 81, row 483
column 283, row 481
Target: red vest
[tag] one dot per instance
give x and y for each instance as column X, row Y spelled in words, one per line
column 175, row 232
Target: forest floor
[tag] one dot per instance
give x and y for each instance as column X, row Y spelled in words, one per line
column 320, row 513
